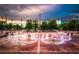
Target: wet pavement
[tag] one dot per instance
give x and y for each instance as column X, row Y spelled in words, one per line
column 38, row 46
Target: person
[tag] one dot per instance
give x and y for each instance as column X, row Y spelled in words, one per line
column 6, row 33
column 71, row 34
column 67, row 33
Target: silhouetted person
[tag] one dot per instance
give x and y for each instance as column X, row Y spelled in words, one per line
column 71, row 34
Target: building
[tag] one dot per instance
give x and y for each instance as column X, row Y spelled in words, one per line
column 19, row 22
column 23, row 22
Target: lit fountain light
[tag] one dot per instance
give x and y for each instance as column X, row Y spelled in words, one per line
column 55, row 38
column 22, row 38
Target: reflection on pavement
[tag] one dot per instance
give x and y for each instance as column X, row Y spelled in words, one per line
column 32, row 41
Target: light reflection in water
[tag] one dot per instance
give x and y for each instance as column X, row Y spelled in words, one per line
column 22, row 39
column 48, row 38
column 56, row 38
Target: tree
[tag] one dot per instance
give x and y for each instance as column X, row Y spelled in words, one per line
column 77, row 25
column 9, row 26
column 64, row 26
column 29, row 26
column 17, row 27
column 70, row 25
column 44, row 26
column 2, row 25
column 52, row 24
column 35, row 26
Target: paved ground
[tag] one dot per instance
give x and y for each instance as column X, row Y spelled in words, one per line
column 42, row 48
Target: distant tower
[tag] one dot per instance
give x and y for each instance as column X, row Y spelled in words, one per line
column 21, row 21
column 6, row 17
column 39, row 16
column 2, row 17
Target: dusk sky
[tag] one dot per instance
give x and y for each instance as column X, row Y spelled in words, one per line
column 33, row 11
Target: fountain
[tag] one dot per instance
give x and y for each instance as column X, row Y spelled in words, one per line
column 47, row 38
column 56, row 38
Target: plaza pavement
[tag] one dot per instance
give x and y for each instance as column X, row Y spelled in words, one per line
column 68, row 47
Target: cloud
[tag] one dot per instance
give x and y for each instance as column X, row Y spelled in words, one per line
column 25, row 10
column 31, row 10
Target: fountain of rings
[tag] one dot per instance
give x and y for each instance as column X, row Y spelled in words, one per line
column 55, row 38
column 45, row 37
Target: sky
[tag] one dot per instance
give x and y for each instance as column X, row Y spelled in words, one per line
column 36, row 11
